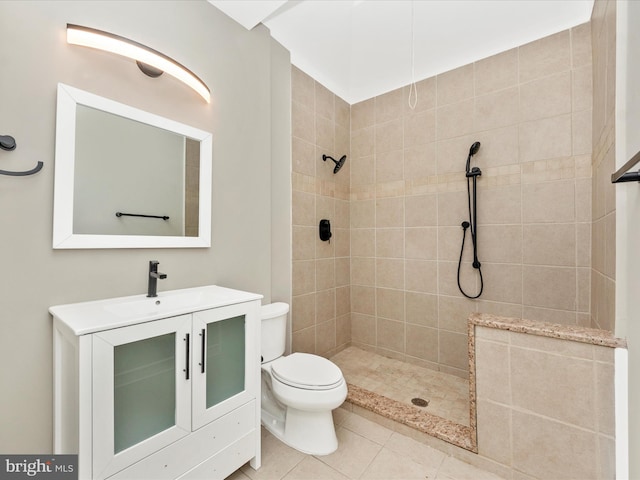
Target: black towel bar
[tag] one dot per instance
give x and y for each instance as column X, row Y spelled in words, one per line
column 624, row 175
column 120, row 214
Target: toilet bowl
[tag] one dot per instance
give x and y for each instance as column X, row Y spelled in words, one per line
column 299, row 391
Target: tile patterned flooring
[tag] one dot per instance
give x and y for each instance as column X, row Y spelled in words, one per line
column 448, row 395
column 367, row 451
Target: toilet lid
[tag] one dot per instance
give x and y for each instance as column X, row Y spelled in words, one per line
column 304, row 370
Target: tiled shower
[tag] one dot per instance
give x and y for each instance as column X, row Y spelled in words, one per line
column 388, row 279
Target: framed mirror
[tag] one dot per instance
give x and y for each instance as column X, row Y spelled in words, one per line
column 126, row 178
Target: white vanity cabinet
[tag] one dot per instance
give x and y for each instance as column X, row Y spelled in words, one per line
column 159, row 388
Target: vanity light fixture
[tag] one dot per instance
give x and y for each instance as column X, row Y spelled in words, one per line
column 151, row 62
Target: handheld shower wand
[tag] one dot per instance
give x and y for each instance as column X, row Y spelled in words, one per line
column 472, row 225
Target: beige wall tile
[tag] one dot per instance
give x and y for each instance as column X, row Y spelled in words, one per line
column 581, row 45
column 304, row 209
column 496, row 110
column 325, row 135
column 422, row 342
column 390, row 212
column 583, row 200
column 546, row 97
column 363, row 299
column 421, row 210
column 550, row 244
column 555, row 386
column 363, row 142
column 304, row 276
column 303, row 122
column 455, row 85
column 563, row 317
column 450, row 242
column 343, row 330
column 448, row 279
column 496, row 72
column 582, row 88
column 343, row 113
column 549, row 287
column 390, row 242
column 546, row 56
column 363, row 213
column 557, row 346
column 500, row 243
column 325, row 305
column 545, row 138
column 499, row 147
column 363, row 329
column 302, row 87
column 341, row 240
column 421, row 243
column 325, row 337
column 363, row 242
column 453, row 349
column 390, row 304
column 419, row 128
column 453, row 313
column 421, row 309
column 502, row 282
column 303, row 156
column 325, row 274
column 548, row 202
column 304, row 247
column 388, row 106
column 454, row 120
column 581, row 132
column 421, row 276
column 303, row 311
column 545, row 448
column 325, row 106
column 343, row 301
column 512, row 310
column 304, row 340
column 389, row 136
column 419, row 161
column 363, row 271
column 426, row 90
column 389, row 166
column 390, row 273
column 390, row 334
column 494, row 431
column 452, row 208
column 605, row 401
column 451, row 154
column 363, row 170
column 363, row 114
column 499, row 204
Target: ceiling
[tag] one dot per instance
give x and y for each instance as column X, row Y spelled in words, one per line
column 362, row 48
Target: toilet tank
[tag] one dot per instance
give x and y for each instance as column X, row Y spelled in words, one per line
column 274, row 330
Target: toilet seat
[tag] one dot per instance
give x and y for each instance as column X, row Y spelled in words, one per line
column 307, row 371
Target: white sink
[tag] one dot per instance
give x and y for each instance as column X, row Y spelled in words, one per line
column 89, row 317
column 162, row 304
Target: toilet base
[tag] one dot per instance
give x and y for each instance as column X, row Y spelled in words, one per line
column 312, row 433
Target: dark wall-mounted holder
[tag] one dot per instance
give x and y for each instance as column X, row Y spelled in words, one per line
column 8, row 144
column 325, row 230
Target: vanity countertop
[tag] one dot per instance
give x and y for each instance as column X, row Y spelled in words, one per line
column 89, row 317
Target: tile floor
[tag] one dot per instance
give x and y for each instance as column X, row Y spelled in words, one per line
column 448, row 395
column 366, row 451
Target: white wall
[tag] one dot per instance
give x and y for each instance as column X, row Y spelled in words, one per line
column 234, row 62
column 628, row 212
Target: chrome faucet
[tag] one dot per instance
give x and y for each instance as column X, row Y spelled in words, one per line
column 154, row 275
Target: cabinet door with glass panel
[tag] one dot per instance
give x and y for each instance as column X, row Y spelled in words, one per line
column 225, row 356
column 141, row 391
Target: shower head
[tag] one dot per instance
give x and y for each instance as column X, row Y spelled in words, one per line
column 472, row 151
column 338, row 163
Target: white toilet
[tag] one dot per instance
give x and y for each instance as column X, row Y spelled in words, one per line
column 299, row 391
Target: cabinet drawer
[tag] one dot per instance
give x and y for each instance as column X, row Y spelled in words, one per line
column 171, row 461
column 225, row 462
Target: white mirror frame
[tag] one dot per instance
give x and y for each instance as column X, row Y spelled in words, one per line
column 63, row 236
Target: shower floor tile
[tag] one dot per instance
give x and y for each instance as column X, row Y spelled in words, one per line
column 448, row 395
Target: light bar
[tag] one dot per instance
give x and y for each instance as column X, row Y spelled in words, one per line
column 90, row 37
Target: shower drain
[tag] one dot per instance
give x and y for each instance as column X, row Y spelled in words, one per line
column 420, row 402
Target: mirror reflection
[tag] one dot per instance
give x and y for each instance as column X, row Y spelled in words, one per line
column 133, row 178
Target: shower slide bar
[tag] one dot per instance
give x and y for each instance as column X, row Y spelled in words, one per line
column 120, row 214
column 624, row 174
